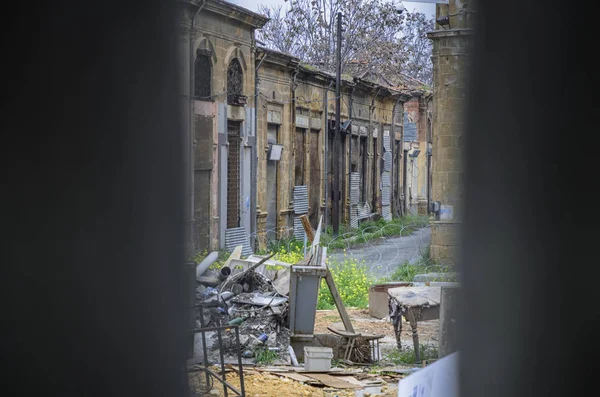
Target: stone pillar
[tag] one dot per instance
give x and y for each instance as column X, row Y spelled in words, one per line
column 185, row 13
column 448, row 321
column 449, row 57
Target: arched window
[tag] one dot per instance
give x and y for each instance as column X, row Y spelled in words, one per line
column 202, row 76
column 235, row 81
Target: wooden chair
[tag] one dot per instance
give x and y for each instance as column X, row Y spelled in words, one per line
column 349, row 341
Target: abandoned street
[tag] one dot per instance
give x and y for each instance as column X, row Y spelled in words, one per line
column 382, row 256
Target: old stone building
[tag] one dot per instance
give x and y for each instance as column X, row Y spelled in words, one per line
column 262, row 124
column 222, row 53
column 296, row 121
column 451, row 41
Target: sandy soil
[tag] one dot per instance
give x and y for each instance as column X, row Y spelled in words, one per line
column 268, row 385
column 362, row 322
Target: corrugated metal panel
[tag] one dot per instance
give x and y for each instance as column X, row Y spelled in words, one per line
column 300, row 200
column 238, row 236
column 364, row 210
column 385, row 188
column 387, row 161
column 354, row 187
column 299, row 232
column 386, row 212
column 387, row 154
column 386, row 142
column 385, row 178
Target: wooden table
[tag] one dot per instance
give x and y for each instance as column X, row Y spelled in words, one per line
column 414, row 304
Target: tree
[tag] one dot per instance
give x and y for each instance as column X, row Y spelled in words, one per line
column 378, row 38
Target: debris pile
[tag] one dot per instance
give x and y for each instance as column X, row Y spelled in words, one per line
column 249, row 299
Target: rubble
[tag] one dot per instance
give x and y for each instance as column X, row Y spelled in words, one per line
column 246, row 298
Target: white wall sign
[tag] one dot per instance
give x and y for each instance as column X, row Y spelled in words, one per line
column 446, row 212
column 275, row 153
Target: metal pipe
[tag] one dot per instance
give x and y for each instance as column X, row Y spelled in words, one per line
column 225, row 272
column 326, row 185
column 206, row 262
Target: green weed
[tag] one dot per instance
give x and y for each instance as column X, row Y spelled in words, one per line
column 407, row 356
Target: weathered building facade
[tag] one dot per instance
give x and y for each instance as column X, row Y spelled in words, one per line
column 417, row 154
column 222, row 51
column 450, row 58
column 263, row 126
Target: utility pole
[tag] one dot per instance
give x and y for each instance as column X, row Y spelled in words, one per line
column 335, row 196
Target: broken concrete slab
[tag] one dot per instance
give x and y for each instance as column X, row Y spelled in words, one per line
column 428, row 277
column 259, row 299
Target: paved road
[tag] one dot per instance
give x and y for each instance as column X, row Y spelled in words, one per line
column 383, row 256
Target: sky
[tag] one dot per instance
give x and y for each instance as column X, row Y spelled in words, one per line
column 426, row 8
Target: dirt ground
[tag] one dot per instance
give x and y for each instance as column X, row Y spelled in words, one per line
column 363, row 322
column 263, row 384
column 269, row 385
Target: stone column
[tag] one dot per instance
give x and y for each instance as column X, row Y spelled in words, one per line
column 449, row 57
column 185, row 14
column 448, row 341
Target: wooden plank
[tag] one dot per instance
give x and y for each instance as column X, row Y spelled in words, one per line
column 236, row 254
column 333, row 381
column 297, row 377
column 317, row 238
column 416, row 296
column 310, row 234
column 314, row 248
column 338, row 301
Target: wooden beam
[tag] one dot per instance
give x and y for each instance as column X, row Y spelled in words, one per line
column 236, row 254
column 338, row 302
column 310, row 234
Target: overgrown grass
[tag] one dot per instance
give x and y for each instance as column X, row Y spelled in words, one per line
column 352, row 279
column 264, row 356
column 407, row 356
column 371, row 230
column 199, row 256
column 286, row 250
column 407, row 271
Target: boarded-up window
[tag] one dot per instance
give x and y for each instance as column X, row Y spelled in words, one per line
column 374, row 186
column 299, row 157
column 314, row 191
column 233, row 175
column 363, row 171
column 235, row 81
column 202, row 76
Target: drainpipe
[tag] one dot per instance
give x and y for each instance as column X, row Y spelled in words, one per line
column 373, row 169
column 326, row 159
column 347, row 174
column 190, row 141
column 293, row 134
column 254, row 166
